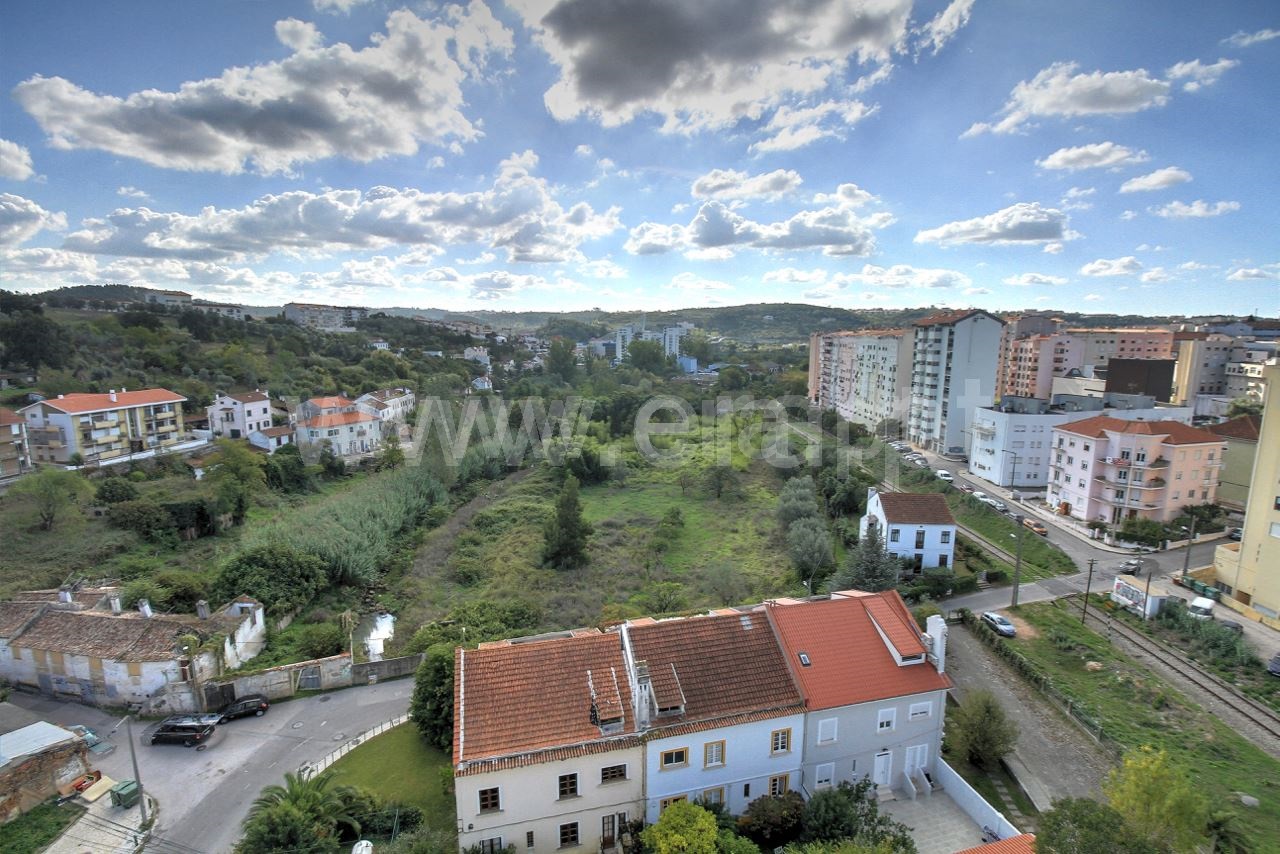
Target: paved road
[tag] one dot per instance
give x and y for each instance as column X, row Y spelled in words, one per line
column 204, row 794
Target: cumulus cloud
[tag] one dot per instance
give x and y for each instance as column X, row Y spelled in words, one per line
column 846, row 196
column 795, row 127
column 1022, row 223
column 1243, row 39
column 1160, row 179
column 1053, row 248
column 1092, row 297
column 15, row 161
column 1128, row 215
column 1126, row 266
column 1058, row 91
column 602, row 268
column 694, row 282
column 343, row 6
column 733, row 184
column 402, row 91
column 1098, row 155
column 708, row 64
column 132, row 193
column 1028, row 279
column 517, row 215
column 895, row 277
column 1074, row 199
column 1155, row 274
column 1198, row 209
column 1250, row 274
column 944, row 25
column 1198, row 75
column 21, row 219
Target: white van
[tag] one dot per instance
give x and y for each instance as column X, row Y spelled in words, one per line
column 1201, row 608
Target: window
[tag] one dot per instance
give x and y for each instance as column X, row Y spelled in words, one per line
column 489, row 800
column 919, row 539
column 826, row 731
column 893, row 535
column 946, row 537
column 942, row 561
column 568, row 785
column 1124, row 455
column 1071, row 460
column 677, row 758
column 666, row 802
column 1275, row 529
column 780, row 741
column 713, row 796
column 1086, row 446
column 746, row 787
column 919, row 711
column 779, row 785
column 610, row 773
column 1191, row 493
column 823, row 773
column 1122, row 475
column 886, row 720
column 712, row 754
column 1141, row 457
column 528, row 839
column 491, row 846
column 569, row 834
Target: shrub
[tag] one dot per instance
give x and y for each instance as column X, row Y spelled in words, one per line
column 113, row 490
column 145, row 518
column 995, row 576
column 981, row 733
column 320, row 640
column 773, row 821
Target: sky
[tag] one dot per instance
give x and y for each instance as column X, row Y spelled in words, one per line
column 647, row 154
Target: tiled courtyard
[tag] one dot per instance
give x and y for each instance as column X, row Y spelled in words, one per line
column 938, row 825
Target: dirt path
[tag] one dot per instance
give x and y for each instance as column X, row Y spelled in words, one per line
column 1060, row 760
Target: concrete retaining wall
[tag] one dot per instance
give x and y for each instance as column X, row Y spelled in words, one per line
column 388, row 668
column 973, row 804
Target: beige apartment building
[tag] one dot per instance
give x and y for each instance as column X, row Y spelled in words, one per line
column 1201, row 367
column 1037, row 352
column 15, row 450
column 1080, row 348
column 1108, row 470
column 1018, row 327
column 864, row 376
column 102, row 427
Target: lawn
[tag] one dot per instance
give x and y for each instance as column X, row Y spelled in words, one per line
column 1135, row 708
column 35, row 829
column 399, row 766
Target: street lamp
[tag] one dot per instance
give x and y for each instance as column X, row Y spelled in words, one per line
column 1186, row 558
column 1013, row 467
column 1017, row 561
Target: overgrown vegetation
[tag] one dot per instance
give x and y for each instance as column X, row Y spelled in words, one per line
column 36, row 828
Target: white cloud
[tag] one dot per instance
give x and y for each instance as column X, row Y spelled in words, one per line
column 1098, row 155
column 517, row 215
column 792, row 276
column 1249, row 274
column 343, row 6
column 602, row 268
column 1195, row 265
column 972, row 292
column 1198, row 75
column 1128, row 215
column 825, row 284
column 133, row 193
column 945, row 25
column 1024, row 222
column 482, row 258
column 1198, row 209
column 694, row 282
column 402, row 91
column 584, row 150
column 1155, row 274
column 1054, row 248
column 1092, row 297
column 1151, row 247
column 21, row 219
column 1057, row 91
column 15, row 161
column 732, row 184
column 795, row 127
column 1126, row 266
column 846, row 196
column 1074, row 199
column 1243, row 39
column 1160, row 179
column 1027, row 279
column 708, row 64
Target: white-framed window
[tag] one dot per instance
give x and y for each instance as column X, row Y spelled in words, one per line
column 946, row 537
column 779, row 785
column 490, row 800
column 569, row 835
column 780, row 741
column 919, row 711
column 823, row 775
column 712, row 754
column 612, row 773
column 894, row 533
column 827, row 730
column 886, row 720
column 713, row 796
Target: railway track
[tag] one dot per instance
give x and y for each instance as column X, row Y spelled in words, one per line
column 1239, row 704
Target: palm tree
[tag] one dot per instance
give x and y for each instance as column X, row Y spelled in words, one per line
column 326, row 808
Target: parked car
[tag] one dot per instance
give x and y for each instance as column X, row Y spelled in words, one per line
column 1235, row 534
column 187, row 730
column 943, row 474
column 1131, row 567
column 999, row 506
column 1273, row 666
column 999, row 624
column 964, row 487
column 1201, row 608
column 1232, row 626
column 981, row 496
column 1036, row 527
column 249, row 704
column 92, row 740
column 920, row 462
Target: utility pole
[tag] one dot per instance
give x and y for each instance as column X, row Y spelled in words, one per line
column 1146, row 601
column 137, row 775
column 1186, row 558
column 1087, row 584
column 1017, row 561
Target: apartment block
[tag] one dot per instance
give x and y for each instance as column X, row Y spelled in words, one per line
column 15, row 448
column 169, row 298
column 1018, row 327
column 669, row 337
column 1201, row 367
column 102, row 427
column 953, row 372
column 1107, row 469
column 1077, row 348
column 1241, row 435
column 864, row 376
column 326, row 318
column 1245, row 372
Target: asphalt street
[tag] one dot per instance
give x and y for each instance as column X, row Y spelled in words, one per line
column 205, row 793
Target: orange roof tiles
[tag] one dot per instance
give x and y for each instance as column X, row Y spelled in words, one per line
column 337, row 419
column 1245, row 427
column 76, row 403
column 1176, row 433
column 906, row 508
column 521, row 697
column 848, row 661
column 1023, row 844
column 8, row 416
column 333, row 401
column 282, row 430
column 946, row 318
column 249, row 396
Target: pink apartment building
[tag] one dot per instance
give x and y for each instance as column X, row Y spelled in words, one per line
column 1105, row 469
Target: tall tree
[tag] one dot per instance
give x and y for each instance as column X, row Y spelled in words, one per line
column 1244, row 406
column 809, row 547
column 52, row 491
column 1158, row 800
column 32, row 340
column 647, row 356
column 1082, row 824
column 566, row 531
column 869, row 567
column 981, row 733
column 561, row 360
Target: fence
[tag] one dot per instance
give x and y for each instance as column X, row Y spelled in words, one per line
column 311, row 769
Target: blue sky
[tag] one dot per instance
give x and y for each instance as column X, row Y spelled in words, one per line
column 647, row 154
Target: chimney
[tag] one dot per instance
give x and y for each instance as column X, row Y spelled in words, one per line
column 937, row 634
column 61, row 396
column 113, row 395
column 114, row 599
column 144, row 608
column 202, row 609
column 64, row 595
column 644, row 702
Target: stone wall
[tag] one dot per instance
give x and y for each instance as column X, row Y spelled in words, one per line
column 35, row 779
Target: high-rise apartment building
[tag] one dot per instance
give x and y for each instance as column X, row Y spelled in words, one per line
column 327, row 318
column 1018, row 327
column 953, row 372
column 1080, row 348
column 1201, row 367
column 864, row 376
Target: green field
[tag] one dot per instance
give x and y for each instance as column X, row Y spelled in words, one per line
column 1134, row 708
column 399, row 767
column 35, row 829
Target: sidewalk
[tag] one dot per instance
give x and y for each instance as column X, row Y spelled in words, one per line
column 104, row 829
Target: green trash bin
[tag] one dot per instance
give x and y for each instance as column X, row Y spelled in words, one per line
column 125, row 794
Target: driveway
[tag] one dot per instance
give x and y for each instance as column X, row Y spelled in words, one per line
column 205, row 793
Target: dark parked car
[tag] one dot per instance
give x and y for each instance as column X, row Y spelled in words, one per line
column 1232, row 626
column 999, row 624
column 249, row 704
column 1235, row 534
column 1273, row 666
column 187, row 730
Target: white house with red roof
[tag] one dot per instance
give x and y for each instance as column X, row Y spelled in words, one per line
column 916, row 528
column 103, row 427
column 235, row 416
column 338, row 423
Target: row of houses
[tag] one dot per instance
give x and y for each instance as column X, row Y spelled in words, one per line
column 561, row 739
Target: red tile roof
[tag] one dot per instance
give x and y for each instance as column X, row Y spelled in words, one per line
column 520, row 697
column 1024, row 844
column 909, row 509
column 714, row 666
column 249, row 396
column 337, row 419
column 75, row 403
column 8, row 416
column 946, row 318
column 282, row 430
column 848, row 661
column 1176, row 433
column 1245, row 427
column 333, row 401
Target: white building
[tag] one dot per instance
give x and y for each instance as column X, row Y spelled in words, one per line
column 390, row 405
column 379, row 344
column 1010, row 442
column 326, row 318
column 669, row 337
column 272, row 439
column 479, row 355
column 227, row 310
column 954, row 360
column 864, row 376
column 338, row 423
column 915, row 528
column 169, row 298
column 235, row 416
